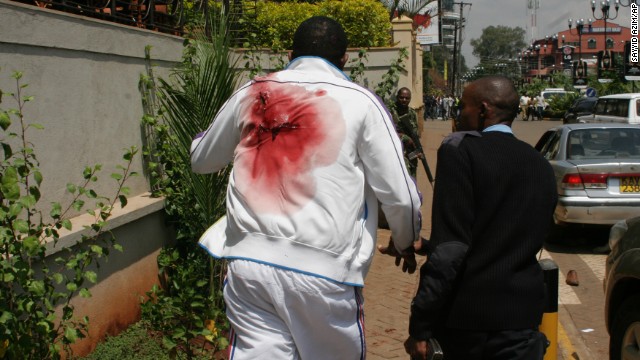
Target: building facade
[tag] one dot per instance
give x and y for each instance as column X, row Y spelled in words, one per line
column 557, row 53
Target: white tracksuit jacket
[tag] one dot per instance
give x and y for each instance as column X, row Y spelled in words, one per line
column 312, row 152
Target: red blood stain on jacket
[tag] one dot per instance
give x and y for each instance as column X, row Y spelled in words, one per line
column 288, row 133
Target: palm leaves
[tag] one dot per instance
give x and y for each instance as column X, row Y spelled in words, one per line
column 191, row 295
column 199, row 88
column 409, row 8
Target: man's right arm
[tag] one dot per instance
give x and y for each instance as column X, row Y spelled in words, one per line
column 381, row 153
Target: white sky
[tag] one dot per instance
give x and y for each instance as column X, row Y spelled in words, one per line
column 552, row 17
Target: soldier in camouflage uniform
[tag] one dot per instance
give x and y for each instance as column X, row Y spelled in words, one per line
column 406, row 121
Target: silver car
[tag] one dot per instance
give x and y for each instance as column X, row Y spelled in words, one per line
column 597, row 169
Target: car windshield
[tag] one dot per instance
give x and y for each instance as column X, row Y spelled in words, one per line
column 604, row 143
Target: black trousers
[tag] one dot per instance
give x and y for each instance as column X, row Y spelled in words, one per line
column 527, row 344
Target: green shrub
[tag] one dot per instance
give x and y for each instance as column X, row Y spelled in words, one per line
column 134, row 343
column 278, row 21
column 366, row 22
column 558, row 105
column 139, row 342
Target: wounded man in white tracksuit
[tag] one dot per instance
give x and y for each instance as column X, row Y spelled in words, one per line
column 312, row 155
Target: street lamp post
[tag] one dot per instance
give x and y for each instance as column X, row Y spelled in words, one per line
column 580, row 29
column 605, row 6
column 627, row 3
column 536, row 48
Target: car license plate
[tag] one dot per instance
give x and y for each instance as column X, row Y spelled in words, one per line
column 630, row 184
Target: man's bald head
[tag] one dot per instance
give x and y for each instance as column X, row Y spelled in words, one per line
column 500, row 93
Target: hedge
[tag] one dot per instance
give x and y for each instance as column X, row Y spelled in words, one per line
column 366, row 22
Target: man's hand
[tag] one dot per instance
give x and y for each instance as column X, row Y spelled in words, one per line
column 409, row 264
column 417, row 349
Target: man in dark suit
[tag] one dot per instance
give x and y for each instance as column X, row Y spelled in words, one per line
column 481, row 291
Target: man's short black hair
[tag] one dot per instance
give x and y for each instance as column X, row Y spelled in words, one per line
column 320, row 36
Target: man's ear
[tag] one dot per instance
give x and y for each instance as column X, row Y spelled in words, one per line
column 486, row 110
column 343, row 60
column 484, row 107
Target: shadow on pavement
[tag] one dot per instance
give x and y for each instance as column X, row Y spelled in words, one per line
column 584, row 239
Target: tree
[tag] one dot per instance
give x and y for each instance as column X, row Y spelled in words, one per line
column 498, row 44
column 433, row 64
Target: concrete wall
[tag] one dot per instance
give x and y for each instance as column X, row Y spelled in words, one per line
column 83, row 74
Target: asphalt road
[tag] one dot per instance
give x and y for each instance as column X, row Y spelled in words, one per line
column 582, row 333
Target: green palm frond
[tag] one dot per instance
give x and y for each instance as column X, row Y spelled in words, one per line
column 197, row 90
column 409, row 8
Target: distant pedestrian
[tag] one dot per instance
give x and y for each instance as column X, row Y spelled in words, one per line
column 447, row 104
column 540, row 103
column 524, row 107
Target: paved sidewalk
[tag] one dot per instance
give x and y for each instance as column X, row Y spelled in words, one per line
column 387, row 297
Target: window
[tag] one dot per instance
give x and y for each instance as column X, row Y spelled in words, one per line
column 548, row 61
column 548, row 145
column 601, row 107
column 598, row 143
column 540, row 145
column 610, row 43
column 614, row 107
column 622, row 108
column 591, row 43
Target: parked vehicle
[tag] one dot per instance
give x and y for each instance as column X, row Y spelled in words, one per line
column 548, row 93
column 597, row 170
column 622, row 290
column 581, row 107
column 553, row 96
column 619, row 108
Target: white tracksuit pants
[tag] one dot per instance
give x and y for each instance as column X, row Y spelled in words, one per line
column 282, row 314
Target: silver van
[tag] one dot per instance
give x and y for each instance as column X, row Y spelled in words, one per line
column 619, row 108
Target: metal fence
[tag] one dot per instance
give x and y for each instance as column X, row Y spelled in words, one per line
column 167, row 16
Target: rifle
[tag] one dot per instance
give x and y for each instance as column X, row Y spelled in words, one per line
column 406, row 124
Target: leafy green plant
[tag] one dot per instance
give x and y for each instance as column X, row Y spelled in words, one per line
column 385, row 88
column 558, row 105
column 187, row 307
column 366, row 22
column 33, row 286
column 276, row 23
column 135, row 343
column 358, row 67
column 615, row 86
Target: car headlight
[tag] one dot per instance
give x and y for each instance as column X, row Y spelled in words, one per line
column 617, row 232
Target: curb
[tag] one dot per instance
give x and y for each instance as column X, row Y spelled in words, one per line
column 574, row 349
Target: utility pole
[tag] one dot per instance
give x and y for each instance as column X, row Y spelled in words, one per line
column 457, row 45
